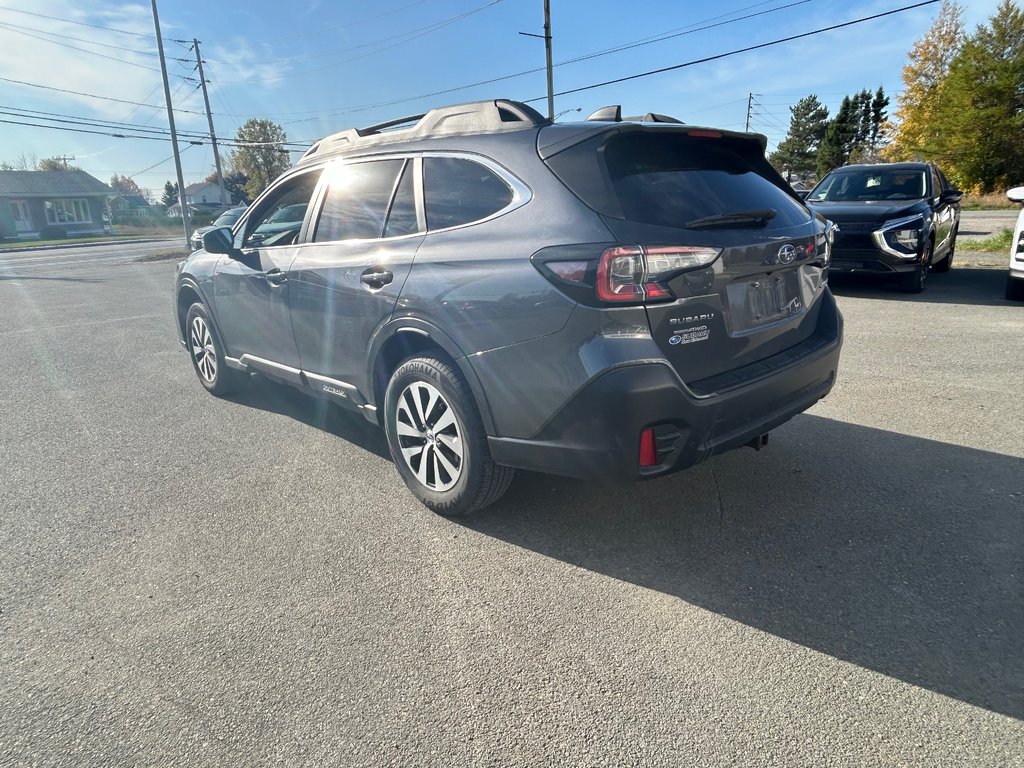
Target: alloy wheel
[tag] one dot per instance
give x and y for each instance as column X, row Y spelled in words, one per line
column 430, row 436
column 204, row 354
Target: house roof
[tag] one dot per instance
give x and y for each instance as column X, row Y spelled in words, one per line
column 199, row 185
column 50, row 184
column 135, row 201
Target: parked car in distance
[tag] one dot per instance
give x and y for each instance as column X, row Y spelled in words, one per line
column 1015, row 277
column 602, row 299
column 226, row 219
column 894, row 219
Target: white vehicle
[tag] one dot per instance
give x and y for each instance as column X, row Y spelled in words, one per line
column 1015, row 279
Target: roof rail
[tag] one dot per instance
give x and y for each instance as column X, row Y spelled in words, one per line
column 490, row 116
column 613, row 114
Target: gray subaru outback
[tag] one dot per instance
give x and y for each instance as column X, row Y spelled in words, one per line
column 610, row 299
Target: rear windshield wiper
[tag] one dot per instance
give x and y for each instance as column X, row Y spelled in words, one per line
column 738, row 219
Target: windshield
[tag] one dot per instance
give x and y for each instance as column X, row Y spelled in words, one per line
column 228, row 218
column 868, row 184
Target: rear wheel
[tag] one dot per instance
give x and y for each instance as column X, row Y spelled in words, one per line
column 437, row 439
column 207, row 353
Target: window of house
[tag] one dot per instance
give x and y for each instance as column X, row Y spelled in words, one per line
column 458, row 191
column 357, row 200
column 67, row 211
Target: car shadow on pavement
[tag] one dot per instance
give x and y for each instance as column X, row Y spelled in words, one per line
column 895, row 553
column 963, row 285
column 268, row 395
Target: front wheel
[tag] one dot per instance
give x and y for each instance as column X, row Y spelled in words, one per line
column 437, row 439
column 914, row 282
column 207, row 353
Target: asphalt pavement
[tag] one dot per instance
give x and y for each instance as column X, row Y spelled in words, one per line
column 197, row 581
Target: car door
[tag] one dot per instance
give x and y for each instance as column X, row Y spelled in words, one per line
column 345, row 281
column 944, row 215
column 251, row 289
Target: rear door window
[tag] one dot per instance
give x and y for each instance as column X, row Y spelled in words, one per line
column 459, row 191
column 669, row 179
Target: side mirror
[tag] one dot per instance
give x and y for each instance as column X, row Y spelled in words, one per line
column 803, row 193
column 951, row 195
column 1016, row 194
column 219, row 240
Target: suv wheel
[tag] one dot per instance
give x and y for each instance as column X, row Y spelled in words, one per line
column 437, row 439
column 914, row 282
column 1014, row 289
column 207, row 353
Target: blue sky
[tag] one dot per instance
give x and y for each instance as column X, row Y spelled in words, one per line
column 318, row 66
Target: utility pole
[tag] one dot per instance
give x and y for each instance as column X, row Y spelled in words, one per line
column 547, row 46
column 750, row 103
column 547, row 51
column 209, row 118
column 174, row 136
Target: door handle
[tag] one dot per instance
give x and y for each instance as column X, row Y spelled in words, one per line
column 377, row 278
column 276, row 277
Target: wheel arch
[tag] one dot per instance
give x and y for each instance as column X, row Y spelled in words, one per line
column 408, row 338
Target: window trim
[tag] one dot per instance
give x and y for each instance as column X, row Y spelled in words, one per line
column 315, row 200
column 521, row 193
column 50, row 210
column 321, row 199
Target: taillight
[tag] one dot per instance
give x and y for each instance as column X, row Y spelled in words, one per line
column 634, row 273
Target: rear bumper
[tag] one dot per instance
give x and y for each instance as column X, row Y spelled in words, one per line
column 596, row 435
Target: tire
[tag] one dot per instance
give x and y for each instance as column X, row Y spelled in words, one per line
column 1014, row 289
column 914, row 282
column 947, row 263
column 437, row 439
column 207, row 353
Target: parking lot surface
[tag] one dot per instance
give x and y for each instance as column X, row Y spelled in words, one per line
column 205, row 582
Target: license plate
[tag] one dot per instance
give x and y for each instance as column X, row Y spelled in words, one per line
column 767, row 300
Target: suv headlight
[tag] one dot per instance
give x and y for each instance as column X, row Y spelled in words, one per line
column 900, row 237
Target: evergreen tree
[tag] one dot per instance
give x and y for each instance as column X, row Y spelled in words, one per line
column 839, row 137
column 170, row 196
column 795, row 155
column 981, row 115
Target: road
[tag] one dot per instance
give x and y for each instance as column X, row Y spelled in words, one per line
column 66, row 257
column 197, row 581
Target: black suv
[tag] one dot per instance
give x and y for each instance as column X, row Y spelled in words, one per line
column 893, row 219
column 603, row 299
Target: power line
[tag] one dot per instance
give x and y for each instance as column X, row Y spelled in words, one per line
column 716, row 57
column 80, row 23
column 76, row 48
column 425, row 31
column 15, row 27
column 94, row 95
column 693, row 28
column 321, row 30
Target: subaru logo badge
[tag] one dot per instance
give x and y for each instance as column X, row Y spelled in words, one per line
column 787, row 253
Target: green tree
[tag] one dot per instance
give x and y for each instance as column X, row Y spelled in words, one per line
column 795, row 155
column 981, row 113
column 125, row 185
column 263, row 156
column 839, row 136
column 170, row 195
column 917, row 128
column 56, row 163
column 234, row 184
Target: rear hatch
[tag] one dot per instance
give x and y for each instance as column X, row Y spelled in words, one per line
column 727, row 261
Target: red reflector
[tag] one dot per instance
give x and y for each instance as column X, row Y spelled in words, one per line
column 648, row 453
column 705, row 134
